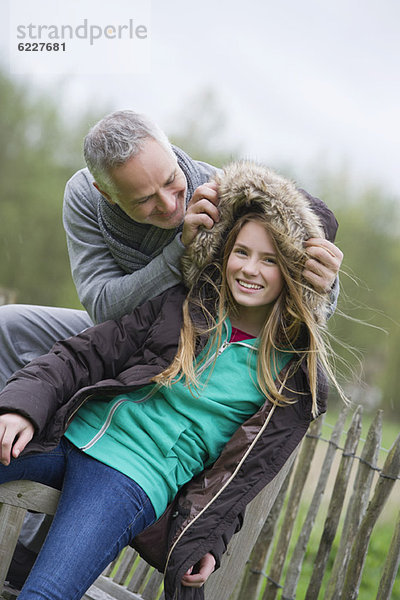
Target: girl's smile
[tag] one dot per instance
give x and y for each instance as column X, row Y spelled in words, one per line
column 248, row 285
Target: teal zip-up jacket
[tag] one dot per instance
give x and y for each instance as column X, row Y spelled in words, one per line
column 162, row 437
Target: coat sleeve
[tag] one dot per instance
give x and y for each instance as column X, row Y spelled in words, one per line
column 219, row 548
column 104, row 289
column 330, row 226
column 96, row 354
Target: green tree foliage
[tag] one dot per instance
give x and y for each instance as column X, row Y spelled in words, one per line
column 369, row 236
column 38, row 154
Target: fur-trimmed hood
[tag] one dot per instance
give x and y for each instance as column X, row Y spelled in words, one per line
column 243, row 187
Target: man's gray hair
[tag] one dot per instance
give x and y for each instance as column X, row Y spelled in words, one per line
column 115, row 139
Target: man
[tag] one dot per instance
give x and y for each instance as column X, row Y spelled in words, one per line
column 128, row 219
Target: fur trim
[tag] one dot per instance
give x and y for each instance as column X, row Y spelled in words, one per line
column 245, row 186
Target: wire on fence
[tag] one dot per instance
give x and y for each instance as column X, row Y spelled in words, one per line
column 337, row 447
column 266, row 576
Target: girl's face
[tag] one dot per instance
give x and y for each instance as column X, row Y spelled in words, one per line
column 252, row 273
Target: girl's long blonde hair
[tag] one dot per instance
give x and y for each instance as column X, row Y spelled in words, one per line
column 290, row 327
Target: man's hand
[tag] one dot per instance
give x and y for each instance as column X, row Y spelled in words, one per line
column 202, row 210
column 15, row 432
column 205, row 567
column 322, row 267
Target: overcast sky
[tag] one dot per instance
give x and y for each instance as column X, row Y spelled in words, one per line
column 302, row 83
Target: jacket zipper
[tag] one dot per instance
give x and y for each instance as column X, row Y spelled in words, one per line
column 103, row 428
column 217, row 353
column 221, row 349
column 108, row 420
column 71, row 416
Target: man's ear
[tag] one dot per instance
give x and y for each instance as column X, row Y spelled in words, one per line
column 106, row 196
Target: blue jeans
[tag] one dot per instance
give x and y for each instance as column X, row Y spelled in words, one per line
column 100, row 511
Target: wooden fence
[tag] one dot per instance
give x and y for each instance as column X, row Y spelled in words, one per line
column 273, row 571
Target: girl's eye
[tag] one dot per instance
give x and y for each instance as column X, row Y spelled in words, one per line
column 241, row 251
column 270, row 261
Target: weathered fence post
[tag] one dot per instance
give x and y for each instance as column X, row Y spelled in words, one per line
column 303, row 467
column 356, row 507
column 296, row 561
column 152, row 586
column 253, row 577
column 16, row 500
column 335, row 507
column 391, row 565
column 222, row 583
column 387, row 478
column 8, row 535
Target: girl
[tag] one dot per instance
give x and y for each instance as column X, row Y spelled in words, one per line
column 161, row 427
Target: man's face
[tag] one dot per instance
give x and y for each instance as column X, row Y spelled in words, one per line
column 150, row 187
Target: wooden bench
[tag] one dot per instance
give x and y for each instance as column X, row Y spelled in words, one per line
column 129, row 577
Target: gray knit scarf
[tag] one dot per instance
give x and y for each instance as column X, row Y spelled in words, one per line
column 121, row 233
